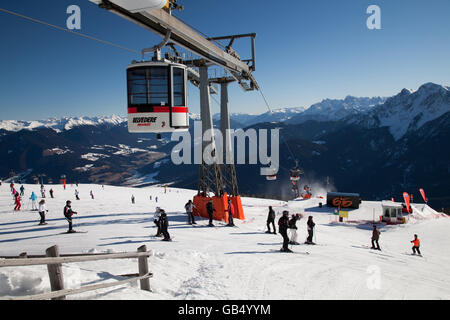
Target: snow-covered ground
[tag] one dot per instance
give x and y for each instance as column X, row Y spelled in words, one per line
column 224, row 263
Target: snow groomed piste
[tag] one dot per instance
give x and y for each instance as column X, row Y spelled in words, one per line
column 223, row 262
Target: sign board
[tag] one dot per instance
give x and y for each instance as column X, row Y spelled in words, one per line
column 343, row 214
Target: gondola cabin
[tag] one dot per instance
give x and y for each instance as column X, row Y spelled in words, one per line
column 271, row 177
column 157, row 97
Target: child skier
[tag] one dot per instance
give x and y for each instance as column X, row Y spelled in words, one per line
column 189, row 206
column 42, row 211
column 17, row 202
column 33, row 199
column 157, row 221
column 230, row 214
column 375, row 238
column 165, row 226
column 293, row 229
column 68, row 213
column 416, row 247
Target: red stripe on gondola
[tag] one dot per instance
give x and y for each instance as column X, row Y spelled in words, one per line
column 161, row 110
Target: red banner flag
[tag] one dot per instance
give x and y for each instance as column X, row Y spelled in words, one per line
column 406, row 197
column 422, row 192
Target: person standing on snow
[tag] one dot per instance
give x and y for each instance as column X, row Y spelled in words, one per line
column 68, row 213
column 22, row 190
column 51, row 193
column 311, row 226
column 230, row 214
column 92, row 195
column 132, row 199
column 210, row 209
column 189, row 206
column 42, row 191
column 77, row 194
column 416, row 247
column 283, row 224
column 165, row 226
column 33, row 199
column 271, row 220
column 42, row 211
column 293, row 228
column 17, row 202
column 375, row 238
column 157, row 221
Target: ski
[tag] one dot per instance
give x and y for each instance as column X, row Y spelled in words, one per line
column 293, row 252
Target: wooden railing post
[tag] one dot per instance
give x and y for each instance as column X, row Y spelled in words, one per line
column 55, row 272
column 143, row 269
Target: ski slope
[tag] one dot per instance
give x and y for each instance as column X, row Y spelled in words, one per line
column 222, row 262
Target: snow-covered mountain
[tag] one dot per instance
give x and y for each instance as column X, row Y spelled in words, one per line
column 409, row 110
column 334, row 110
column 61, row 124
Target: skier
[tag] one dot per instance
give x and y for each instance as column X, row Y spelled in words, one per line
column 375, row 238
column 311, row 226
column 68, row 213
column 33, row 198
column 76, row 194
column 157, row 221
column 92, row 195
column 22, row 190
column 210, row 209
column 42, row 211
column 271, row 220
column 156, row 199
column 165, row 226
column 293, row 228
column 132, row 199
column 189, row 206
column 416, row 247
column 42, row 191
column 51, row 193
column 230, row 214
column 283, row 224
column 11, row 186
column 17, row 202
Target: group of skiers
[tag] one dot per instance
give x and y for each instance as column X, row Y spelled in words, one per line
column 376, row 244
column 162, row 223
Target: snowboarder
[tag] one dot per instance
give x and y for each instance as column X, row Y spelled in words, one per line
column 210, row 209
column 283, row 224
column 416, row 246
column 165, row 226
column 22, row 190
column 92, row 195
column 271, row 220
column 293, row 229
column 230, row 214
column 17, row 202
column 375, row 238
column 157, row 221
column 133, row 199
column 33, row 199
column 51, row 193
column 68, row 213
column 311, row 226
column 189, row 206
column 42, row 211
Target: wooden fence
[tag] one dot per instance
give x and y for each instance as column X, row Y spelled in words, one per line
column 54, row 262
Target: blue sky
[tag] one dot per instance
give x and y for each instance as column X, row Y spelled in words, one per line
column 306, row 51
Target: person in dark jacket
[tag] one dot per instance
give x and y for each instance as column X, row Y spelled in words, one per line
column 375, row 238
column 271, row 220
column 293, row 228
column 68, row 213
column 51, row 193
column 310, row 224
column 230, row 214
column 283, row 224
column 165, row 226
column 210, row 209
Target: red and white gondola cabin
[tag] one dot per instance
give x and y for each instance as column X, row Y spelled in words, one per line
column 157, row 97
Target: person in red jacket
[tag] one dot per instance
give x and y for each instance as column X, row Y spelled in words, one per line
column 68, row 213
column 230, row 214
column 18, row 204
column 416, row 243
